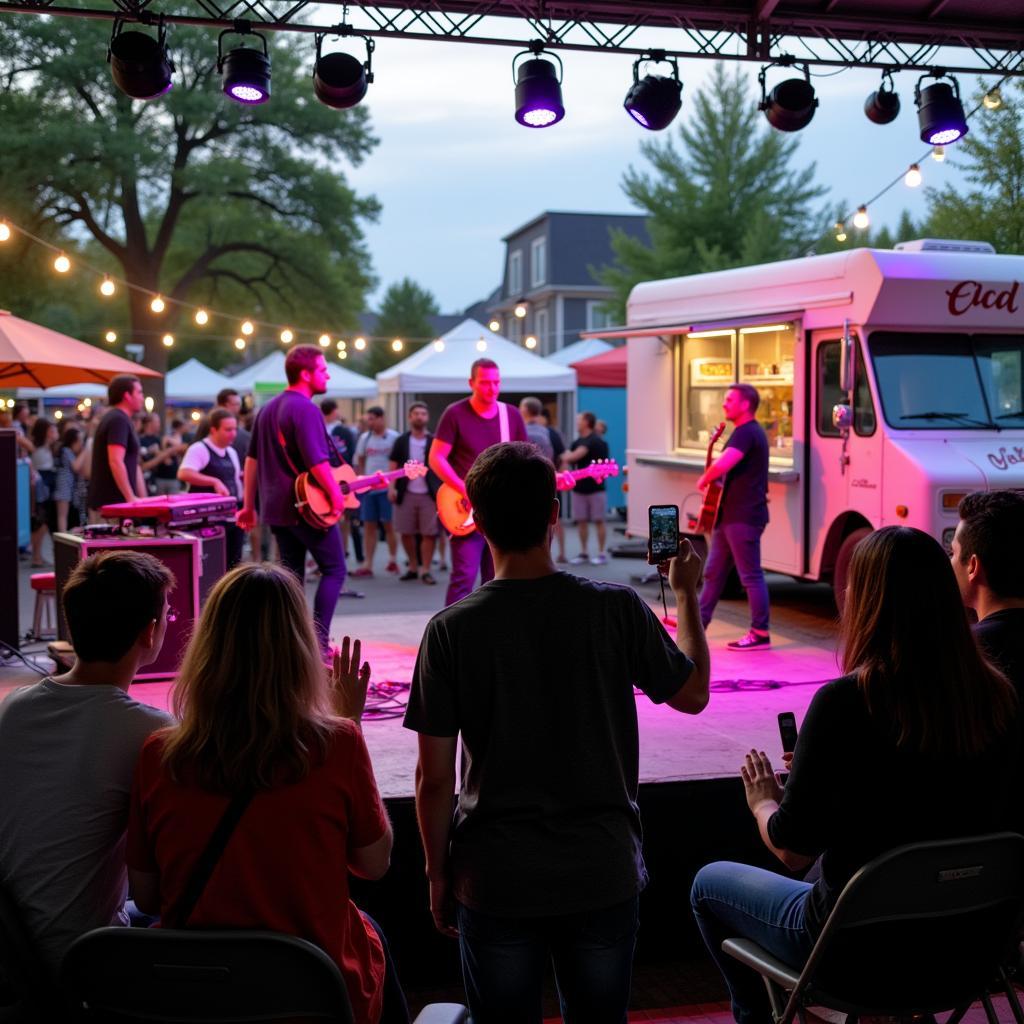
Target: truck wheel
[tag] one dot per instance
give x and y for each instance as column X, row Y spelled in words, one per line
column 841, row 573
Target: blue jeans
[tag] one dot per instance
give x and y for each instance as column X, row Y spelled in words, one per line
column 470, row 555
column 326, row 549
column 504, row 960
column 736, row 544
column 739, row 901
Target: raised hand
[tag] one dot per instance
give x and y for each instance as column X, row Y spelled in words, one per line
column 349, row 680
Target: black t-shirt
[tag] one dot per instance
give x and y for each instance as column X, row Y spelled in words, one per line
column 149, row 446
column 115, row 428
column 547, row 820
column 344, row 439
column 853, row 794
column 745, row 495
column 1001, row 636
column 597, row 448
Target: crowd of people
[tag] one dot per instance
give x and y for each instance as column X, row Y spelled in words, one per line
column 102, row 797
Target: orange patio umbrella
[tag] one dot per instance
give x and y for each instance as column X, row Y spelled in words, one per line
column 34, row 356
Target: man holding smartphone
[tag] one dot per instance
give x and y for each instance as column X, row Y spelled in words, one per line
column 742, row 517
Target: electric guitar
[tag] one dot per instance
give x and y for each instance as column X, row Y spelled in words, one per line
column 456, row 513
column 713, row 495
column 314, row 505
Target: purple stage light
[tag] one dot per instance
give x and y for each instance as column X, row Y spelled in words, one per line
column 654, row 101
column 246, row 72
column 247, row 94
column 538, row 94
column 940, row 114
column 139, row 63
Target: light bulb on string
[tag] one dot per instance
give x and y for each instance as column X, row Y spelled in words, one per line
column 397, row 345
column 287, row 337
column 5, row 231
column 149, row 403
column 202, row 317
column 158, row 305
column 913, row 176
column 62, row 264
column 938, row 154
column 196, row 416
column 993, row 99
column 110, row 337
column 495, row 325
column 325, row 341
column 168, row 340
column 342, row 344
column 840, row 230
column 240, row 344
column 58, row 415
column 360, row 343
column 247, row 328
column 439, row 345
column 87, row 402
column 481, row 345
column 520, row 310
column 107, row 287
column 530, row 342
column 861, row 219
column 343, row 354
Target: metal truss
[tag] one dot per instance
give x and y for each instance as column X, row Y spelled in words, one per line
column 800, row 31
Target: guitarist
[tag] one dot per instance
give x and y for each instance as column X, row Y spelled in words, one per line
column 465, row 429
column 289, row 438
column 742, row 517
column 590, row 501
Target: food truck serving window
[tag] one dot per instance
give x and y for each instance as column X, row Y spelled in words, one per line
column 709, row 361
column 949, row 381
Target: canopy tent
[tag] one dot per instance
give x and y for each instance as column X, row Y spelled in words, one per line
column 602, row 391
column 65, row 392
column 194, row 383
column 607, row 370
column 579, row 350
column 344, row 383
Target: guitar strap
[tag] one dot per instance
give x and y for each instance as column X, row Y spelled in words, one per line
column 503, row 422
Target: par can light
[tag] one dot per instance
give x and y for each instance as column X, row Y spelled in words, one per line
column 139, row 63
column 654, row 100
column 538, row 90
column 245, row 71
column 883, row 105
column 940, row 114
column 339, row 79
column 791, row 104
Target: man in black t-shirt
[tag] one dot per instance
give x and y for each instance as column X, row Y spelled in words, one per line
column 742, row 516
column 544, row 855
column 116, row 474
column 589, row 500
column 988, row 561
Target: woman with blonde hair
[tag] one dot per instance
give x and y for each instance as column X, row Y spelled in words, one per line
column 252, row 811
column 918, row 741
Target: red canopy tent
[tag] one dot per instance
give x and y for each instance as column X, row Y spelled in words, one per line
column 607, row 370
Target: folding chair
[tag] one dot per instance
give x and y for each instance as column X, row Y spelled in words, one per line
column 919, row 930
column 26, row 989
column 141, row 975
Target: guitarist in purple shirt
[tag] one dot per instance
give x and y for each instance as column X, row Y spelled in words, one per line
column 289, row 438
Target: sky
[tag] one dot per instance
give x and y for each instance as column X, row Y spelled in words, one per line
column 455, row 173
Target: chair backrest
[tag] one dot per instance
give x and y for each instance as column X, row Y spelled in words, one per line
column 923, row 926
column 22, row 973
column 156, row 974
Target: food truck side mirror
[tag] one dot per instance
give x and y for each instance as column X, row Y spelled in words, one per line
column 846, row 355
column 842, row 416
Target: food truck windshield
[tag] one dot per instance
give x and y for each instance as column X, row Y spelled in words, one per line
column 948, row 382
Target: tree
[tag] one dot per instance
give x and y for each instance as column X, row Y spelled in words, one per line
column 192, row 195
column 405, row 312
column 727, row 197
column 991, row 209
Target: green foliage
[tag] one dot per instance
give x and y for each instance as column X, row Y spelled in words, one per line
column 991, row 208
column 192, row 195
column 405, row 312
column 726, row 197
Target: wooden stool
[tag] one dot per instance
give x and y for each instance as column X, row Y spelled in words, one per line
column 45, row 586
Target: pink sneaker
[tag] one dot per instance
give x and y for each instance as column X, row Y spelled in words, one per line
column 391, row 567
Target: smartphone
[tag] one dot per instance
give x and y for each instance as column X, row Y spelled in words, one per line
column 663, row 529
column 787, row 731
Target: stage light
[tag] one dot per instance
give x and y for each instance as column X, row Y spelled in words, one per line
column 538, row 89
column 654, row 100
column 339, row 80
column 883, row 105
column 495, row 325
column 245, row 72
column 325, row 340
column 158, row 305
column 791, row 104
column 993, row 99
column 940, row 114
column 247, row 328
column 938, row 154
column 397, row 345
column 110, row 337
column 840, row 230
column 360, row 343
column 5, row 231
column 139, row 63
column 107, row 288
column 202, row 317
column 531, row 341
column 481, row 345
column 861, row 219
column 287, row 337
column 913, row 176
column 240, row 344
column 62, row 264
column 439, row 345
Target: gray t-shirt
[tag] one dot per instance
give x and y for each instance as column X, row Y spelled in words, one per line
column 66, row 759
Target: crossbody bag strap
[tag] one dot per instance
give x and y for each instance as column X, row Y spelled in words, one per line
column 179, row 914
column 503, row 421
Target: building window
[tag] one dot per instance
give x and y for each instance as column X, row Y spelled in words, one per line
column 515, row 272
column 538, row 262
column 597, row 316
column 541, row 327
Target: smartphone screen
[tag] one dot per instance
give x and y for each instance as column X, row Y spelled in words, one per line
column 663, row 529
column 787, row 731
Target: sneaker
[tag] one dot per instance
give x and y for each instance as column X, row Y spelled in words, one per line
column 363, row 573
column 443, row 567
column 600, row 559
column 391, row 567
column 579, row 560
column 428, row 579
column 412, row 574
column 751, row 642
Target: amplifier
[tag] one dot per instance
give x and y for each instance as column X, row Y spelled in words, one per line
column 213, row 554
column 181, row 554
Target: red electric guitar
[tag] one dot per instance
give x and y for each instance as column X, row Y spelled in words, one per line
column 315, row 507
column 713, row 495
column 456, row 513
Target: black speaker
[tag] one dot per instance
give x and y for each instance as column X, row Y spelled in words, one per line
column 213, row 555
column 181, row 554
column 9, row 627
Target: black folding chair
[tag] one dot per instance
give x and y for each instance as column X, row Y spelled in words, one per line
column 140, row 975
column 26, row 989
column 921, row 929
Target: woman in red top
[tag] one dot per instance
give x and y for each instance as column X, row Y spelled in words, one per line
column 258, row 712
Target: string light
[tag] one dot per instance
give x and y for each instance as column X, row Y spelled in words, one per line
column 158, row 305
column 149, row 403
column 87, row 402
column 861, row 219
column 530, row 342
column 993, row 99
column 325, row 341
column 938, row 154
column 110, row 337
column 240, row 344
column 840, row 231
column 913, row 176
column 62, row 264
column 287, row 337
column 520, row 310
column 168, row 340
column 495, row 325
column 58, row 415
column 202, row 317
column 342, row 345
column 360, row 343
column 343, row 354
column 397, row 345
column 5, row 231
column 439, row 345
column 247, row 327
column 481, row 345
column 196, row 415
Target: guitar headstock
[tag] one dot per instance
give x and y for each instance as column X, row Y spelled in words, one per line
column 717, row 433
column 414, row 469
column 601, row 469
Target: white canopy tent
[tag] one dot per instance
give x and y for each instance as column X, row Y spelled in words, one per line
column 344, row 383
column 578, row 351
column 194, row 383
column 65, row 392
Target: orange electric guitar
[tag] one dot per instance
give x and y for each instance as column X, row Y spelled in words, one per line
column 315, row 507
column 456, row 513
column 713, row 495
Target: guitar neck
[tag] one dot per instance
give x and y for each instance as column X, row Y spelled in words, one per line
column 363, row 483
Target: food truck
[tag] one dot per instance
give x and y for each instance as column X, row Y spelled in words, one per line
column 890, row 384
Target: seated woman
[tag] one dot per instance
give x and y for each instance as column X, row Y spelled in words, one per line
column 265, row 730
column 916, row 742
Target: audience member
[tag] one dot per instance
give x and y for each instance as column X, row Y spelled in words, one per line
column 211, row 466
column 44, row 509
column 21, row 421
column 116, row 475
column 415, row 501
column 544, row 855
column 344, row 438
column 917, row 741
column 68, row 491
column 590, row 498
column 373, row 452
column 264, row 732
column 155, row 452
column 988, row 561
column 231, row 400
column 68, row 745
column 540, row 434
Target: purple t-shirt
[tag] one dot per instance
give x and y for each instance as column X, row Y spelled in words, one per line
column 469, row 433
column 290, row 423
